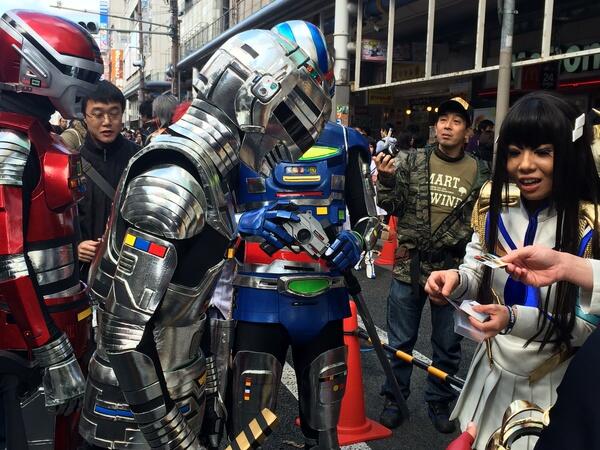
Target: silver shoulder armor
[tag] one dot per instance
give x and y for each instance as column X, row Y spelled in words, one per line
column 167, row 201
column 14, row 150
column 213, row 133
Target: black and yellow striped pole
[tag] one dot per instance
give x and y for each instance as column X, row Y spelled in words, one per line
column 410, row 359
column 254, row 434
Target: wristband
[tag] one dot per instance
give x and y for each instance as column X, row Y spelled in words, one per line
column 511, row 320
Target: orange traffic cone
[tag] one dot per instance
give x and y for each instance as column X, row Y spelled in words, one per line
column 388, row 252
column 353, row 425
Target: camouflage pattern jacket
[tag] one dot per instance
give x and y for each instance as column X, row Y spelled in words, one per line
column 407, row 196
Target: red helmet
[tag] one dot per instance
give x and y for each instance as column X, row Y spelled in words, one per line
column 49, row 56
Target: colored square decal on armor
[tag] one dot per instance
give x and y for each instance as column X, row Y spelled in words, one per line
column 322, row 210
column 157, row 250
column 342, row 214
column 248, row 382
column 129, row 240
column 141, row 244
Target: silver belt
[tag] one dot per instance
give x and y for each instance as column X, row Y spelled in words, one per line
column 303, row 286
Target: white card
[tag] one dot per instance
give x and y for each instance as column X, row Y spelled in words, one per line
column 490, row 260
column 467, row 307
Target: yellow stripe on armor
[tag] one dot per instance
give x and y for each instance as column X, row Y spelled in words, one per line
column 83, row 314
column 256, row 430
column 318, row 152
column 301, row 178
column 242, row 441
column 321, row 210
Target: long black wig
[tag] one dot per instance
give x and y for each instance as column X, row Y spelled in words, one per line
column 546, row 118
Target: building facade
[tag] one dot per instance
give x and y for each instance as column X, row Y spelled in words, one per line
column 131, row 57
column 406, row 56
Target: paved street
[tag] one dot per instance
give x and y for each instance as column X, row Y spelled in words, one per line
column 416, row 434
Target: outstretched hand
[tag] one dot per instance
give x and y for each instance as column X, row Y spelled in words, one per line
column 534, row 265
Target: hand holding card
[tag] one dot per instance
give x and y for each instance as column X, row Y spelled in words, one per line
column 462, row 325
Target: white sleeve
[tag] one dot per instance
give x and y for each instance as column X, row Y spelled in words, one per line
column 590, row 300
column 470, row 271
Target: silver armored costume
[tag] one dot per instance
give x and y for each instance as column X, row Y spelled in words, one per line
column 171, row 225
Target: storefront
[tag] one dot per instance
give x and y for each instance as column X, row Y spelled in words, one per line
column 452, row 50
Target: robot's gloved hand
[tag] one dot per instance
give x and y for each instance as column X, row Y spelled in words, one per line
column 62, row 379
column 266, row 223
column 345, row 251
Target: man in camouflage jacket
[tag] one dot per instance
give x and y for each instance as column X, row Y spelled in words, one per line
column 432, row 192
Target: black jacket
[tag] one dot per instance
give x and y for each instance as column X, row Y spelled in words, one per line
column 110, row 161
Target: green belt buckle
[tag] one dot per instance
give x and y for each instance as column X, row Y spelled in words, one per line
column 309, row 287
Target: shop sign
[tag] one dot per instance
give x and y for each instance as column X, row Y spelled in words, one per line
column 407, row 71
column 569, row 65
column 380, row 96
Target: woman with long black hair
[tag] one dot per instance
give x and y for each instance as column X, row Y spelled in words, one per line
column 545, row 190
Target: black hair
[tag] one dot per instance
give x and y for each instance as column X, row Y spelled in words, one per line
column 405, row 140
column 146, row 108
column 546, row 118
column 105, row 92
column 485, row 123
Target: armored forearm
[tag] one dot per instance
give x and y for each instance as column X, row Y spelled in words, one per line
column 18, row 291
column 62, row 379
column 127, row 336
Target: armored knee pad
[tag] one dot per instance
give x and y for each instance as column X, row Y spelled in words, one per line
column 256, row 379
column 321, row 394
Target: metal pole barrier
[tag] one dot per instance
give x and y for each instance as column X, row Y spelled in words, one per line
column 410, row 359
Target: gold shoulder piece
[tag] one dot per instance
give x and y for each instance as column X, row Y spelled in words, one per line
column 514, row 196
column 482, row 205
column 587, row 213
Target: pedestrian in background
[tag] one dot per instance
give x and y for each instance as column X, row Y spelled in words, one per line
column 387, row 143
column 74, row 136
column 163, row 107
column 481, row 144
column 432, row 192
column 147, row 124
column 105, row 154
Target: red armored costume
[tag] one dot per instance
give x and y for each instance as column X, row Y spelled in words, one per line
column 48, row 63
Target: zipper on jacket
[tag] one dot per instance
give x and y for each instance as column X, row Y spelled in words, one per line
column 104, row 154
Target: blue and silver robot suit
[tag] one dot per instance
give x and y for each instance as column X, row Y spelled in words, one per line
column 288, row 297
column 171, row 224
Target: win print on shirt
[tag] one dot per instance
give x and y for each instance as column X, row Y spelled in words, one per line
column 450, row 182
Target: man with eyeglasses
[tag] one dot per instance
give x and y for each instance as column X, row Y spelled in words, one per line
column 105, row 155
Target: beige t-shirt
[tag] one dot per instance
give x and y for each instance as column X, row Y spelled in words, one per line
column 449, row 183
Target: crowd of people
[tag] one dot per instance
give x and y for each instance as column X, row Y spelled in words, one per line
column 149, row 231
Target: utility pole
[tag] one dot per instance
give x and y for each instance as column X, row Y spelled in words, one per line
column 504, row 64
column 141, row 86
column 174, row 47
column 340, row 69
